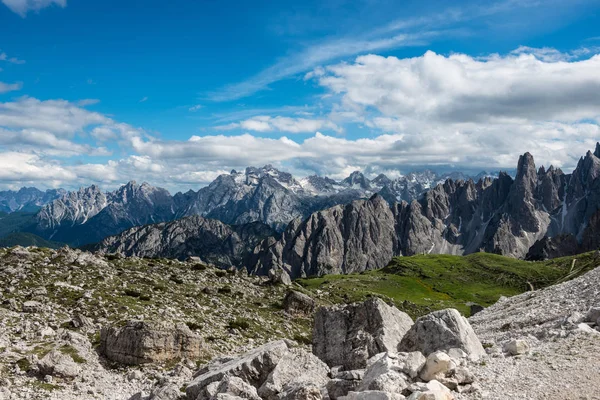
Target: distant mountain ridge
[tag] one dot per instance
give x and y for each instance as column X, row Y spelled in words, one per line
column 27, row 199
column 264, row 195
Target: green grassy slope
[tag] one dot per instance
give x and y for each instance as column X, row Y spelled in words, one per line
column 424, row 283
column 27, row 239
column 15, row 222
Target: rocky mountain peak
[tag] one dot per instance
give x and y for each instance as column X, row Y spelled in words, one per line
column 357, row 179
column 597, row 150
column 541, row 171
column 525, row 167
column 381, row 180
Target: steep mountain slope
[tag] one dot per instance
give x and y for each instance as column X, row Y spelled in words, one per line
column 341, row 239
column 211, row 240
column 27, row 199
column 503, row 215
column 89, row 215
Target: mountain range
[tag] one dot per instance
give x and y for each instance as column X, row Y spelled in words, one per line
column 265, row 195
column 316, row 225
column 537, row 214
column 27, row 199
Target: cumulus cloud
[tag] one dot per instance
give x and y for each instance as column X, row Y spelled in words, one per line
column 23, row 167
column 460, row 88
column 56, row 116
column 263, row 123
column 550, row 54
column 22, row 7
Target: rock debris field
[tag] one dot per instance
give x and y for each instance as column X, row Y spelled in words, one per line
column 74, row 325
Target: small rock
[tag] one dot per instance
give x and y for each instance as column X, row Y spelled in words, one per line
column 593, row 315
column 59, row 365
column 141, row 342
column 305, row 391
column 297, row 367
column 298, row 303
column 279, row 276
column 237, row 387
column 372, row 395
column 32, row 306
column 516, row 347
column 437, row 365
column 253, row 367
column 337, row 388
column 135, row 375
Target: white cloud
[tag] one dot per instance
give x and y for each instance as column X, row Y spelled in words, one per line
column 468, row 112
column 144, row 99
column 460, row 88
column 87, row 102
column 22, row 167
column 314, row 56
column 56, row 116
column 9, row 87
column 264, row 123
column 104, row 133
column 22, row 7
column 549, row 54
column 195, row 108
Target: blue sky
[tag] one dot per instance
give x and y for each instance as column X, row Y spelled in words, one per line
column 107, row 91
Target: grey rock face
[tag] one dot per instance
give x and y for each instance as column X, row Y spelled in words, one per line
column 211, row 240
column 141, row 342
column 341, row 239
column 442, row 330
column 507, row 216
column 348, row 336
column 295, row 368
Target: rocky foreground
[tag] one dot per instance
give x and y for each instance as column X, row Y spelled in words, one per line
column 147, row 329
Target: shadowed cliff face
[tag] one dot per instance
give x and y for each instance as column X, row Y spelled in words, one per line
column 211, row 240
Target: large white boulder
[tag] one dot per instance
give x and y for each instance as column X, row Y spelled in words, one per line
column 442, row 330
column 349, row 335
